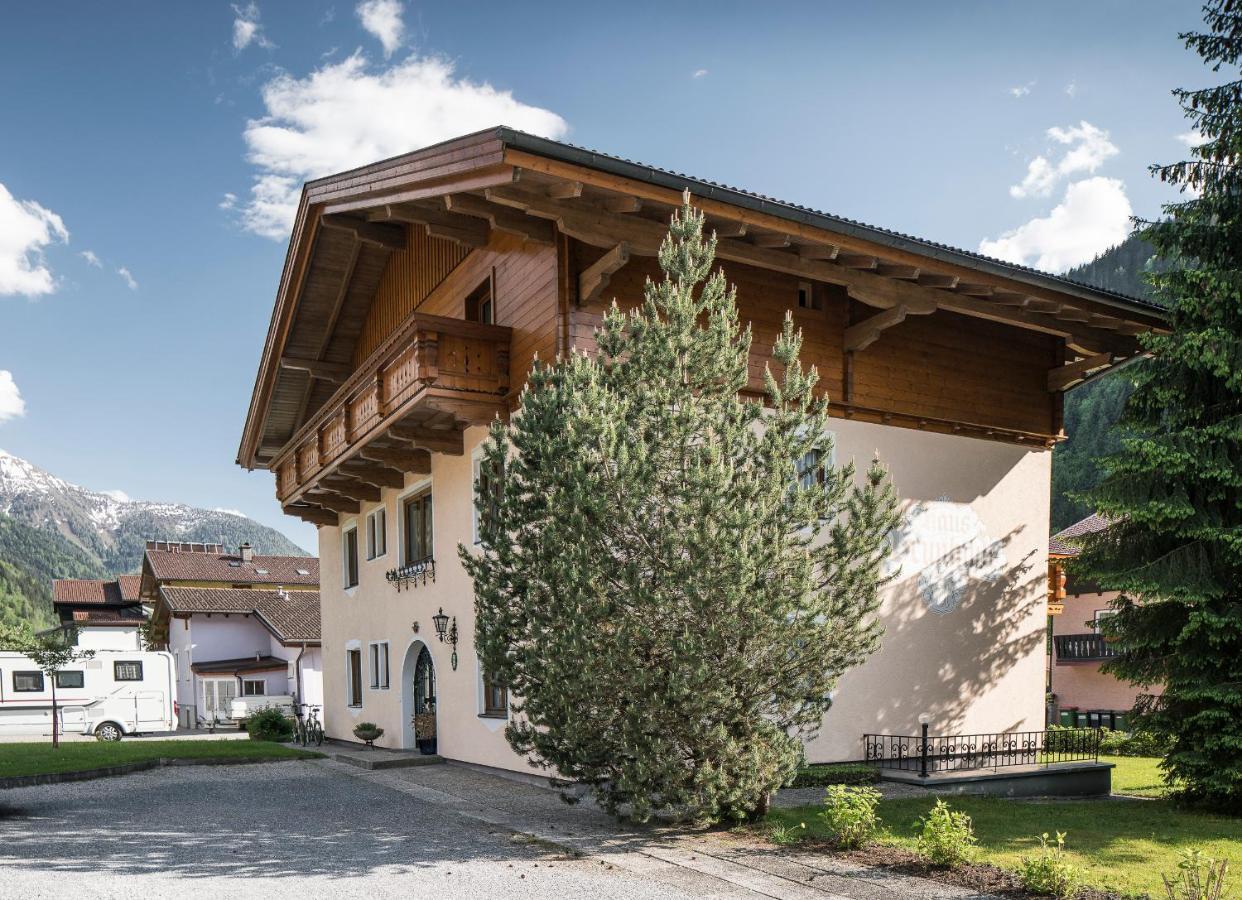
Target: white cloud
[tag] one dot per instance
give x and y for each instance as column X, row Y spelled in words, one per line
column 228, row 201
column 11, row 403
column 1093, row 216
column 25, row 229
column 118, row 495
column 231, row 512
column 383, row 19
column 699, row 73
column 90, row 257
column 127, row 278
column 1021, row 90
column 1071, row 89
column 1191, row 138
column 247, row 29
column 1088, row 148
column 348, row 113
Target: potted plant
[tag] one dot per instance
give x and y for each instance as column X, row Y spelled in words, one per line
column 425, row 732
column 369, row 732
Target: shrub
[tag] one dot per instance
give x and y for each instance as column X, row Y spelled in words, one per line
column 836, row 773
column 1138, row 743
column 946, row 837
column 368, row 731
column 1198, row 877
column 269, row 724
column 849, row 815
column 1050, row 872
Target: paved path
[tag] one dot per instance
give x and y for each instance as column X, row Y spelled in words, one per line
column 325, row 828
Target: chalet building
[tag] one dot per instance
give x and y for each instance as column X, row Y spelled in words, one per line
column 418, row 290
column 104, row 615
column 1083, row 695
column 236, row 624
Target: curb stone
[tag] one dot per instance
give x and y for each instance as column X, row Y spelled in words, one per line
column 19, row 781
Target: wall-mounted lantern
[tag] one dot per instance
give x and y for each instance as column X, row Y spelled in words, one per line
column 447, row 633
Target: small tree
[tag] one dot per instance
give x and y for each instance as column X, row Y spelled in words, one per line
column 50, row 653
column 672, row 578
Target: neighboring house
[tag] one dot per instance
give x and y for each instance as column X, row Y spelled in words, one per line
column 418, row 290
column 236, row 624
column 1083, row 694
column 106, row 615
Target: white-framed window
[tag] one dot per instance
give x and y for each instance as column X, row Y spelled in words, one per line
column 377, row 533
column 349, row 557
column 253, row 687
column 811, row 468
column 378, row 651
column 353, row 677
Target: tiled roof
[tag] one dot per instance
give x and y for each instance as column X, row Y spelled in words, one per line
column 293, row 616
column 1063, row 544
column 89, row 590
column 129, row 585
column 240, row 666
column 126, row 615
column 169, row 565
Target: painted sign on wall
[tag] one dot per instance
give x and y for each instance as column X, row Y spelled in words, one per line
column 945, row 545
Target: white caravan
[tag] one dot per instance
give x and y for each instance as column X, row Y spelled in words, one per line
column 114, row 693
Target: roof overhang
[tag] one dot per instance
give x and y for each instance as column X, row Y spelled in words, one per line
column 506, row 177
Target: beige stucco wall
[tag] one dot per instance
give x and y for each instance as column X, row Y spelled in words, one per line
column 978, row 508
column 1082, row 685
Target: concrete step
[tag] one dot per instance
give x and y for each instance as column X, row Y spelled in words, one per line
column 379, row 759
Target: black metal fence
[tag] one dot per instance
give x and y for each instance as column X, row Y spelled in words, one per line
column 929, row 754
column 1084, row 647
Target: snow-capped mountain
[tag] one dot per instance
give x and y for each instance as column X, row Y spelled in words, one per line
column 111, row 527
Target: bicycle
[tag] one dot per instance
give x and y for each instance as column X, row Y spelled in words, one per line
column 309, row 728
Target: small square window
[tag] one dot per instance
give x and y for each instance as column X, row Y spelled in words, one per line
column 127, row 671
column 808, row 297
column 27, row 682
column 71, row 679
column 253, row 687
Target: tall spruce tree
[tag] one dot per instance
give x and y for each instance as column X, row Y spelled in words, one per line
column 1175, row 488
column 669, row 602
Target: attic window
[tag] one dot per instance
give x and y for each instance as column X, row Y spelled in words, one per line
column 808, row 297
column 303, row 571
column 235, row 564
column 260, row 571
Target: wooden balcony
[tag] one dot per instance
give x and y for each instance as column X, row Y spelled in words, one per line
column 1083, row 648
column 412, row 397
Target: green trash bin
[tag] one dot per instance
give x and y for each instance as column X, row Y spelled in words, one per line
column 1067, row 718
column 1121, row 722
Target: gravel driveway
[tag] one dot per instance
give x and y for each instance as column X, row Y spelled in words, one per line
column 291, row 829
column 326, row 829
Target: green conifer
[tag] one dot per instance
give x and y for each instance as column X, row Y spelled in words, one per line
column 1174, row 490
column 669, row 603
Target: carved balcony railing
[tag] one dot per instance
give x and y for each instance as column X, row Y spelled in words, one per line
column 1080, row 648
column 432, row 365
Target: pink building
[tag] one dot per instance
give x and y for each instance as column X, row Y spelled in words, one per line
column 1084, row 695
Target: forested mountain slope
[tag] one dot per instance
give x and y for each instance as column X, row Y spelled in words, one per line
column 1092, row 410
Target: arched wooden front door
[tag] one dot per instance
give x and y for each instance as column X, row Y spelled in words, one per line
column 425, row 702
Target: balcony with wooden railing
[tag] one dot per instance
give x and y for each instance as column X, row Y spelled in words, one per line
column 1083, row 648
column 412, row 397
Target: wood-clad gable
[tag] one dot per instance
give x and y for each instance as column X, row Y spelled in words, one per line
column 901, row 331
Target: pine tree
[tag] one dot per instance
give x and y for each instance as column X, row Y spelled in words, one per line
column 668, row 601
column 1175, row 488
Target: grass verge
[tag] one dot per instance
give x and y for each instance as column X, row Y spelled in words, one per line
column 41, row 759
column 1120, row 846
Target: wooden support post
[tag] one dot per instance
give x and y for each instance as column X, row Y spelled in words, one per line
column 595, row 277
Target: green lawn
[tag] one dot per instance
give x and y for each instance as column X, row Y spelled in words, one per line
column 1121, row 846
column 39, row 759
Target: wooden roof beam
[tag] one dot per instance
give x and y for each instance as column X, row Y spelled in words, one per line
column 725, row 229
column 770, row 241
column 862, row 335
column 905, row 273
column 943, row 282
column 333, row 501
column 818, row 251
column 389, row 237
column 595, row 277
column 417, row 462
column 1070, row 374
column 468, row 230
column 449, row 441
column 564, row 190
column 857, row 261
column 316, row 515
column 623, row 203
column 373, row 472
column 501, row 218
column 348, row 486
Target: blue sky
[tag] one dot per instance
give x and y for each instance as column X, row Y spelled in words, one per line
column 149, row 153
